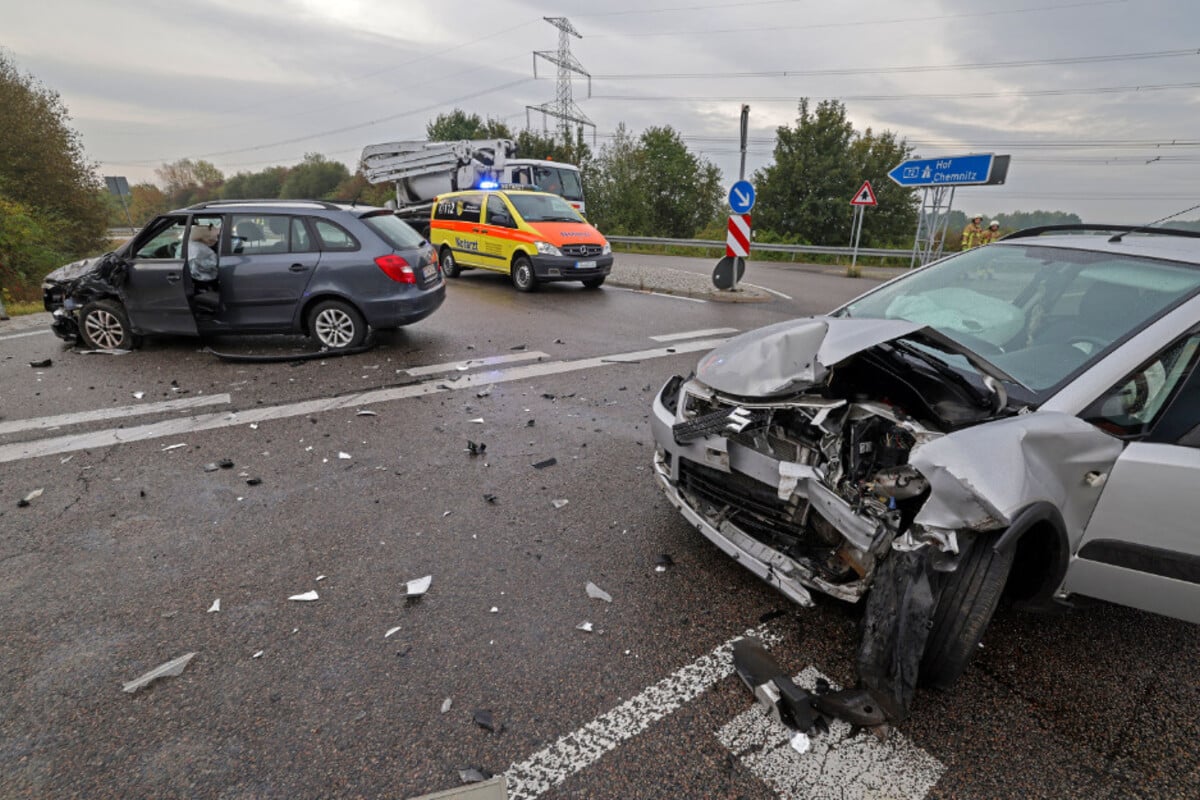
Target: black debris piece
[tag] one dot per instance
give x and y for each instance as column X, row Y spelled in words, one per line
column 141, row 492
column 559, row 341
column 47, row 362
column 621, row 388
column 225, row 463
column 483, row 718
column 548, row 396
column 490, row 499
column 670, row 349
column 519, row 347
column 822, row 686
column 253, row 481
column 474, row 775
column 664, row 560
column 549, row 462
column 770, row 615
column 476, row 449
column 530, row 423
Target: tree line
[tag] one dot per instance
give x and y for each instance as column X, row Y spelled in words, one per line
column 54, row 208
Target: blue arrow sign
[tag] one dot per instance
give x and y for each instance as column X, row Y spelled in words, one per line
column 951, row 171
column 741, row 197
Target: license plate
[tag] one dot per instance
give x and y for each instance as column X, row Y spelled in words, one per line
column 430, row 272
column 585, row 265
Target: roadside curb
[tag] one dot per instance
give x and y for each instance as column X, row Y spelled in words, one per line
column 680, row 283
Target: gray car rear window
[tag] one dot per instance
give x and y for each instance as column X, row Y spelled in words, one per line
column 395, row 231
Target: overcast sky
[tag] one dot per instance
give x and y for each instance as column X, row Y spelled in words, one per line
column 247, row 84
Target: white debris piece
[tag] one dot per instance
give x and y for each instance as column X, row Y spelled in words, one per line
column 493, row 610
column 800, row 743
column 484, row 392
column 344, row 456
column 320, row 577
column 138, row 395
column 258, row 654
column 420, row 586
column 215, row 607
column 388, row 635
column 477, row 420
column 596, row 593
column 174, row 446
column 366, row 413
column 307, row 596
column 34, row 495
column 65, row 460
column 171, row 669
column 446, row 704
column 584, row 626
column 253, row 426
column 559, row 503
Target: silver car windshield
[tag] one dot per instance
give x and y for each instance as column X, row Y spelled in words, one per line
column 1040, row 313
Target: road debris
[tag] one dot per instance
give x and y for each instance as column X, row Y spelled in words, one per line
column 320, row 578
column 391, row 631
column 418, row 587
column 560, row 502
column 43, row 364
column 446, row 704
column 800, row 743
column 174, row 446
column 344, row 456
column 484, row 719
column 490, row 499
column 476, row 421
column 257, row 654
column 549, row 462
column 225, row 463
column 29, row 498
column 596, row 593
column 215, row 607
column 484, row 392
column 171, row 669
column 584, row 626
column 663, row 562
column 253, row 481
column 138, row 395
column 530, row 423
column 366, row 413
column 493, row 610
column 519, row 347
column 476, row 449
column 306, row 597
column 474, row 775
column 211, row 467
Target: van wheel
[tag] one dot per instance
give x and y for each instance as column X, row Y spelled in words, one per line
column 449, row 266
column 522, row 274
column 336, row 325
column 967, row 602
column 103, row 325
column 594, row 283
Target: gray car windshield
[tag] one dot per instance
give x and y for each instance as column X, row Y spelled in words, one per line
column 1040, row 313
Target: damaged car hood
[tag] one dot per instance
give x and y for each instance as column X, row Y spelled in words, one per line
column 75, row 270
column 791, row 356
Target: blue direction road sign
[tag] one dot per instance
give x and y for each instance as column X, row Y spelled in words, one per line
column 950, row 171
column 741, row 197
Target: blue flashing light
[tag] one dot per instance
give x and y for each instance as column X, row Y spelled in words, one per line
column 489, row 185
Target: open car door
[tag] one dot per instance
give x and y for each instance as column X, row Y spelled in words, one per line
column 157, row 287
column 1141, row 547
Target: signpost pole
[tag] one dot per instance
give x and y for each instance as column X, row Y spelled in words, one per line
column 858, row 220
column 744, row 130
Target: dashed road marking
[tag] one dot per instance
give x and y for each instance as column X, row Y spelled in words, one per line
column 489, row 361
column 177, row 427
column 859, row 768
column 578, row 750
column 96, row 415
column 22, row 335
column 675, row 337
column 660, row 294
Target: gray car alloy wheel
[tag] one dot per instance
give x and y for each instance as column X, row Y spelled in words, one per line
column 334, row 328
column 104, row 328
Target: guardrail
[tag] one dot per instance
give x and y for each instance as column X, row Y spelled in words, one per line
column 801, row 249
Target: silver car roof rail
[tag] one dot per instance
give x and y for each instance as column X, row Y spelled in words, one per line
column 265, row 202
column 1121, row 230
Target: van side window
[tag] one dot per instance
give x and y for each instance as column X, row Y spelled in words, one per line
column 469, row 207
column 334, row 236
column 498, row 213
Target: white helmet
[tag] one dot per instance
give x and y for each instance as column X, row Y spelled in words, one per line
column 993, row 224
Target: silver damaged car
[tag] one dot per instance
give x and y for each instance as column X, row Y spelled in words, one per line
column 1021, row 420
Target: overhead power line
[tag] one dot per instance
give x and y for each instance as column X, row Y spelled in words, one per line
column 796, row 73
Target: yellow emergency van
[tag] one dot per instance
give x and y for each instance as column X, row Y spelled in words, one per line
column 532, row 236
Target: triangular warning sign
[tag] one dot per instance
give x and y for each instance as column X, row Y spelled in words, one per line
column 865, row 196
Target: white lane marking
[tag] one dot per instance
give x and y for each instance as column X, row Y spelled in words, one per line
column 660, row 294
column 675, row 337
column 451, row 366
column 177, row 427
column 22, row 335
column 76, row 418
column 768, row 289
column 835, row 765
column 575, row 751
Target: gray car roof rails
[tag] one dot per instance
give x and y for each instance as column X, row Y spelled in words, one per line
column 1117, row 230
column 263, row 202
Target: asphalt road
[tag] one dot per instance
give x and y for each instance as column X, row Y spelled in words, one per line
column 110, row 573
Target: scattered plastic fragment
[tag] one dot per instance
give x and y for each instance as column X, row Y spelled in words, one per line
column 493, row 610
column 253, row 481
column 483, row 718
column 476, row 448
column 388, row 635
column 418, row 587
column 490, row 498
column 596, row 593
column 171, row 669
column 211, row 468
column 549, row 462
column 47, row 362
column 257, row 654
column 366, row 413
column 446, row 704
column 307, row 596
column 253, row 426
column 225, row 463
column 530, row 423
column 559, row 503
column 320, row 577
column 344, row 456
column 215, row 607
column 800, row 743
column 474, row 775
column 584, row 626
column 138, row 395
column 477, row 420
column 114, row 352
column 174, row 446
column 446, row 514
column 29, row 498
column 519, row 347
column 65, row 460
column 548, row 395
column 484, row 392
column 663, row 562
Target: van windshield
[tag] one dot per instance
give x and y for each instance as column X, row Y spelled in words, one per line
column 543, row 208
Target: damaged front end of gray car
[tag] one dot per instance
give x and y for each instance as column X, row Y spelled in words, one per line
column 844, row 456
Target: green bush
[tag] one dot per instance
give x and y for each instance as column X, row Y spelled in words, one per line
column 31, row 245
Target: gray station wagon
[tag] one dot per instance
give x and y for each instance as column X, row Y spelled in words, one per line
column 331, row 271
column 1019, row 420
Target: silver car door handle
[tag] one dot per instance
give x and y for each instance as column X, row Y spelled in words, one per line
column 297, row 267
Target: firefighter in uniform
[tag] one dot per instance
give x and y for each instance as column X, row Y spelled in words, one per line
column 973, row 234
column 991, row 234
